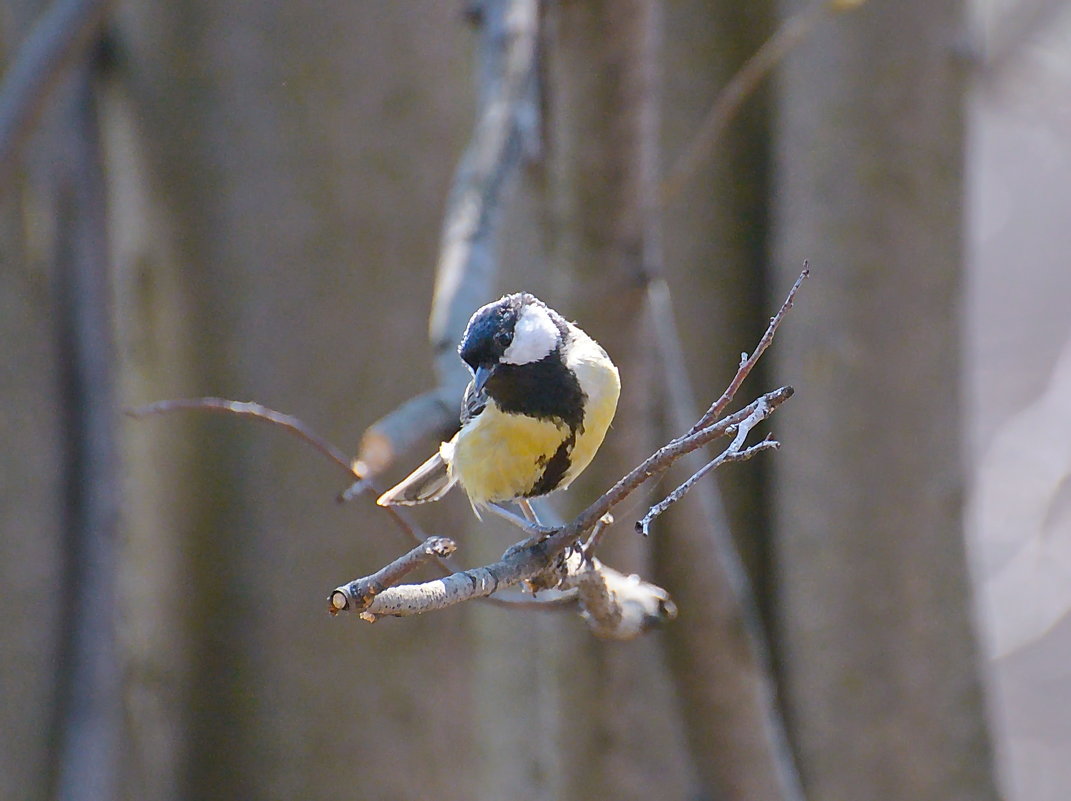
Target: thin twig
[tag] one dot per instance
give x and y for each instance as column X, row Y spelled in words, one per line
column 748, row 362
column 657, row 463
column 248, row 409
column 730, row 454
column 592, row 542
column 735, row 452
column 289, row 423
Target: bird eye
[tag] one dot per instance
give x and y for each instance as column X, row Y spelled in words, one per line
column 503, row 339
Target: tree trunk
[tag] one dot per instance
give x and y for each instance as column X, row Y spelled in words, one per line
column 876, row 642
column 613, row 728
column 60, row 489
column 31, row 479
column 714, row 250
column 297, row 167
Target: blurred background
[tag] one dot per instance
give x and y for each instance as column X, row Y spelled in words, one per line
column 246, row 200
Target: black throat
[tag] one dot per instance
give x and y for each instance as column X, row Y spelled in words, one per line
column 546, row 389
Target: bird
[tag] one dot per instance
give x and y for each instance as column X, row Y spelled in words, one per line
column 542, row 396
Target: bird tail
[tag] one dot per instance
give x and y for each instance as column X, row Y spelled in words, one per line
column 429, row 482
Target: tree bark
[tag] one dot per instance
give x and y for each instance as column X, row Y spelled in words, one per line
column 876, row 642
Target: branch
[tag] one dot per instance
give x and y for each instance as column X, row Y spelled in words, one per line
column 516, row 566
column 466, row 265
column 358, row 594
column 616, row 606
column 396, row 432
column 531, row 560
column 56, row 41
column 290, row 424
column 87, row 726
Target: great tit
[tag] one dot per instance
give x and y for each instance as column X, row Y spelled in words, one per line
column 541, row 398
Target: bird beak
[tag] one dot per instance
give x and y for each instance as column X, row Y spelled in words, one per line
column 480, row 376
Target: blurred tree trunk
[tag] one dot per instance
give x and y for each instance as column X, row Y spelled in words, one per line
column 59, row 496
column 715, row 230
column 88, row 713
column 714, row 251
column 30, row 506
column 597, row 718
column 289, row 170
column 31, row 480
column 876, row 640
column 602, row 144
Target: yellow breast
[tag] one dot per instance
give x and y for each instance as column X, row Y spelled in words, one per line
column 499, row 456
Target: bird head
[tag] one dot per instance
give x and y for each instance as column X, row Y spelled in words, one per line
column 516, row 330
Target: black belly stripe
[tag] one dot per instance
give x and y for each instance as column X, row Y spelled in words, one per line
column 554, row 469
column 544, row 390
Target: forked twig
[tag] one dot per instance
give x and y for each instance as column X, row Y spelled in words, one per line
column 358, row 594
column 748, row 362
column 734, row 453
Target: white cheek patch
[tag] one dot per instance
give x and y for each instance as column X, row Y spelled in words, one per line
column 534, row 337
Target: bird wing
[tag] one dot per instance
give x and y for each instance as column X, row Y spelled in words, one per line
column 473, row 403
column 429, row 482
column 433, row 479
